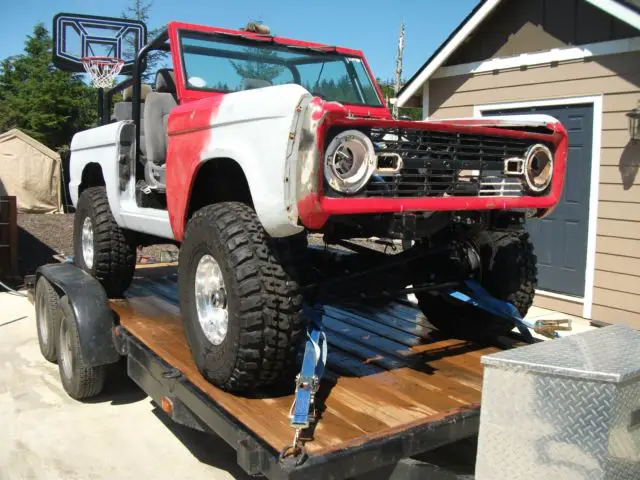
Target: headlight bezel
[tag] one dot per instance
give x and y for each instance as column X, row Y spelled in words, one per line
column 361, row 148
column 531, row 178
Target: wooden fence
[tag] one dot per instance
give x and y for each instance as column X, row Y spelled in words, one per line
column 8, row 237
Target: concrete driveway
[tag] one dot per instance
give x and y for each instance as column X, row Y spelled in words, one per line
column 44, row 434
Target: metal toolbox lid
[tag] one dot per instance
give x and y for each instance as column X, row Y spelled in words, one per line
column 609, row 354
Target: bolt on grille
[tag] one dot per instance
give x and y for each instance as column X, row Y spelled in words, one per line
column 446, row 163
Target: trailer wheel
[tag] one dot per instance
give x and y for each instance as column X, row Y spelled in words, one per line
column 242, row 315
column 100, row 246
column 47, row 318
column 79, row 380
column 508, row 272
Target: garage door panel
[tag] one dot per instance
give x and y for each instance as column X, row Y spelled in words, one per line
column 560, row 240
column 573, row 184
column 573, row 258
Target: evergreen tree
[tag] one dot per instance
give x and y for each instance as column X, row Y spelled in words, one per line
column 140, row 10
column 262, row 66
column 44, row 102
column 387, row 88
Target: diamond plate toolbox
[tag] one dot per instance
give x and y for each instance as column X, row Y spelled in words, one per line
column 563, row 409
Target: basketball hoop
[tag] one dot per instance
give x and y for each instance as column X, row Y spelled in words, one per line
column 103, row 70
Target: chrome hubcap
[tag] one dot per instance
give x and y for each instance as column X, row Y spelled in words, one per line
column 65, row 356
column 87, row 242
column 211, row 300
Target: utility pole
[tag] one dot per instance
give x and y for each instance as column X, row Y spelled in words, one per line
column 398, row 76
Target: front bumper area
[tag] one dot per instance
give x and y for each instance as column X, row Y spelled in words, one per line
column 316, row 203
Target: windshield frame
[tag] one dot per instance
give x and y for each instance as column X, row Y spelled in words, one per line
column 280, row 44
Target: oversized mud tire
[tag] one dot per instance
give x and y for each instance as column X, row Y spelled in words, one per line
column 248, row 335
column 100, row 246
column 79, row 380
column 47, row 318
column 508, row 272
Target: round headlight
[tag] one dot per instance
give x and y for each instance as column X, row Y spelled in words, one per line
column 349, row 161
column 538, row 167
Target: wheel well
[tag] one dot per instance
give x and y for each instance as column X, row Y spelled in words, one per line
column 219, row 180
column 91, row 177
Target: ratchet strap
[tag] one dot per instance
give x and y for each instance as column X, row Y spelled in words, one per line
column 308, row 380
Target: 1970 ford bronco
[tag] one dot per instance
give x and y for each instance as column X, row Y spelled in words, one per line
column 249, row 142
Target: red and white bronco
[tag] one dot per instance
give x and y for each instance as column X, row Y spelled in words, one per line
column 250, row 141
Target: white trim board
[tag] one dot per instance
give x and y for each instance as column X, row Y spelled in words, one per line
column 618, row 10
column 554, row 55
column 612, row 7
column 596, row 101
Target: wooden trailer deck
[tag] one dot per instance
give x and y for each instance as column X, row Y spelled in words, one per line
column 387, row 371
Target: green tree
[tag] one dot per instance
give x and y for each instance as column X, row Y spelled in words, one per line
column 387, row 93
column 140, row 10
column 262, row 64
column 44, row 102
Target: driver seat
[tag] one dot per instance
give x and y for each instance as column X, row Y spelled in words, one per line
column 158, row 106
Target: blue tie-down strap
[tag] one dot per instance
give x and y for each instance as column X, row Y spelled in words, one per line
column 313, row 363
column 480, row 298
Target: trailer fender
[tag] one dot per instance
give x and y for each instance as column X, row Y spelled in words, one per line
column 90, row 307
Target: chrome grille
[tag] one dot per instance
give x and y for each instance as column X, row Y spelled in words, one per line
column 446, row 163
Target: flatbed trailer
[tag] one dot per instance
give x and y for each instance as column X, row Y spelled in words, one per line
column 393, row 388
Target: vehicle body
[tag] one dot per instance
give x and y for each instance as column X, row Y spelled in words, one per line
column 244, row 147
column 260, row 131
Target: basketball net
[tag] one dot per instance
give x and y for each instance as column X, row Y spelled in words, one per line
column 103, row 70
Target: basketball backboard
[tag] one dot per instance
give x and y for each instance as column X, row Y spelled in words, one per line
column 76, row 36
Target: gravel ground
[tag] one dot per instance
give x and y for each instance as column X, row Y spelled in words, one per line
column 41, row 237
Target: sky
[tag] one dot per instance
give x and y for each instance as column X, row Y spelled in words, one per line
column 372, row 26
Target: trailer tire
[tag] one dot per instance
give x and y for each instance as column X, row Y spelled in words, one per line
column 79, row 380
column 508, row 272
column 112, row 250
column 258, row 293
column 47, row 318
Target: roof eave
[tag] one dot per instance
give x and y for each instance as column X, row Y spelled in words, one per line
column 614, row 8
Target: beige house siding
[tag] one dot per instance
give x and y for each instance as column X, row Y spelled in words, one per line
column 525, row 26
column 616, row 294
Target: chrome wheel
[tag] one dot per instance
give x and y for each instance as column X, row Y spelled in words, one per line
column 66, row 355
column 211, row 300
column 87, row 242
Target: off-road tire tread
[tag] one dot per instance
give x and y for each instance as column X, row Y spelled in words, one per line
column 115, row 251
column 271, row 324
column 48, row 346
column 499, row 251
column 522, row 294
column 89, row 381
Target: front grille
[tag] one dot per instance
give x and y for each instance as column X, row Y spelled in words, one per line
column 436, row 164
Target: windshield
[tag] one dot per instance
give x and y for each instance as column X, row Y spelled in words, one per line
column 228, row 65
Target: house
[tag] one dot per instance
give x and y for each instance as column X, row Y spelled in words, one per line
column 579, row 61
column 31, row 172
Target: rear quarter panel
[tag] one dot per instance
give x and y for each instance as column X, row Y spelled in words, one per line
column 99, row 145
